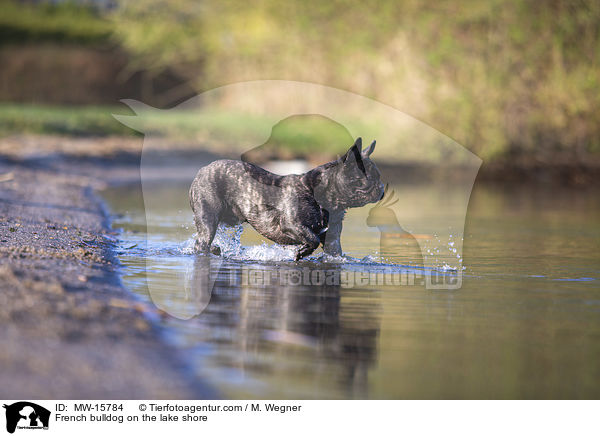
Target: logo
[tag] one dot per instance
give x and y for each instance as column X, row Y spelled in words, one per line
column 26, row 415
column 305, row 124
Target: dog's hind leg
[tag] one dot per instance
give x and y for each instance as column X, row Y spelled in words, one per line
column 206, row 225
column 307, row 238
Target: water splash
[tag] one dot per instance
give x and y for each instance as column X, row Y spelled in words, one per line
column 188, row 246
column 447, row 268
column 228, row 239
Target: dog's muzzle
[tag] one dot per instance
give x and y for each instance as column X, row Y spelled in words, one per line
column 382, row 188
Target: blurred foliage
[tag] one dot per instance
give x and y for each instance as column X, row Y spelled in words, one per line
column 293, row 137
column 65, row 120
column 62, row 21
column 311, row 136
column 505, row 78
column 315, row 137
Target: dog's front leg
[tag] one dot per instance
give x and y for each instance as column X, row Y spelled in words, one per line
column 331, row 238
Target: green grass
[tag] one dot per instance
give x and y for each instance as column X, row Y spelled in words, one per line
column 295, row 136
column 62, row 22
column 230, row 131
column 61, row 120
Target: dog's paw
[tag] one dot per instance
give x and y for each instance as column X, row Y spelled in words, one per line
column 216, row 250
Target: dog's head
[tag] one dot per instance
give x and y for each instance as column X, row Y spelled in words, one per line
column 354, row 180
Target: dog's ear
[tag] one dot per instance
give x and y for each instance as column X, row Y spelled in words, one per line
column 357, row 144
column 369, row 150
column 355, row 150
column 353, row 156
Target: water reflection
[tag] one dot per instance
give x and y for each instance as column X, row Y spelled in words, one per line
column 331, row 331
column 524, row 324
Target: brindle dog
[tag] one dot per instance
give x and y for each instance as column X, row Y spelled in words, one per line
column 305, row 210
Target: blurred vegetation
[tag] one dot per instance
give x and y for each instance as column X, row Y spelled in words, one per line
column 315, row 137
column 509, row 79
column 505, row 78
column 60, row 22
column 61, row 120
column 293, row 137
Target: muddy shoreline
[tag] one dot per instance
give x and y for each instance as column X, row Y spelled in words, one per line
column 70, row 329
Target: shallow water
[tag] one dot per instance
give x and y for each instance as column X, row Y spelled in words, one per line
column 524, row 324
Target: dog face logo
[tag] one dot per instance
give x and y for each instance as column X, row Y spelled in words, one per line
column 267, row 108
column 26, row 415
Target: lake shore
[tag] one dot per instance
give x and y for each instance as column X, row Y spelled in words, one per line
column 71, row 330
column 44, row 149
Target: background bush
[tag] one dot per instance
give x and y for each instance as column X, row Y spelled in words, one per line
column 506, row 78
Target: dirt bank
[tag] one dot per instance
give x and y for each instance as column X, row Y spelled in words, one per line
column 69, row 328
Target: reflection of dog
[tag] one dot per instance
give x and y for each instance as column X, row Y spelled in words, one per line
column 305, row 210
column 30, row 413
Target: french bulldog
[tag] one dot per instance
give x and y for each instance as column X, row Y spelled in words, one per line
column 305, row 210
